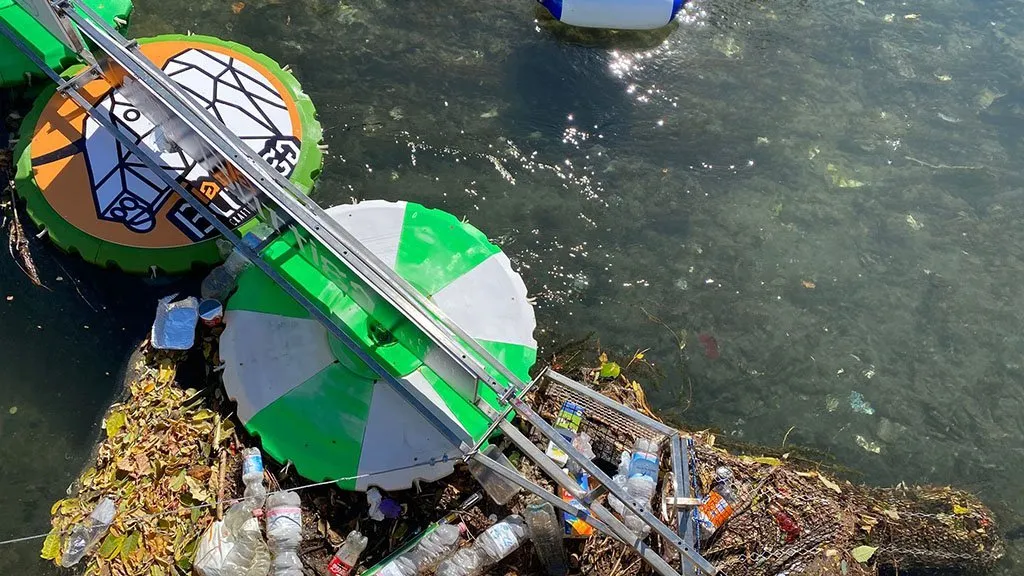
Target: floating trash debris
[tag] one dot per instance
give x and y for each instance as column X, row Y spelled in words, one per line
column 868, row 445
column 831, row 403
column 859, row 404
column 175, row 324
column 913, row 223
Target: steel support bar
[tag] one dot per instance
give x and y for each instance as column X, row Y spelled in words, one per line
column 643, row 512
column 381, row 279
column 681, row 489
column 433, row 414
column 146, row 157
column 531, row 487
column 615, row 527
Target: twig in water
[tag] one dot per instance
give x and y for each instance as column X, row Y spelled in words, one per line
column 75, row 284
column 17, row 243
column 681, row 345
column 787, row 435
column 943, row 166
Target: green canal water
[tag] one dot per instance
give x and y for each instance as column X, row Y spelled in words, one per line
column 830, row 190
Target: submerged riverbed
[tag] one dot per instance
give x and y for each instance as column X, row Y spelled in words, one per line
column 807, row 211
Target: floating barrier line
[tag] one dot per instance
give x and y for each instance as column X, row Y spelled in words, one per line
column 437, row 459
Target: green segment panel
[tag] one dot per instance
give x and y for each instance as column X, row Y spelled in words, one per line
column 16, row 68
column 329, row 444
column 436, row 248
column 333, row 296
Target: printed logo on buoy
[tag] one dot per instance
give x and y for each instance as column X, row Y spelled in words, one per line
column 103, row 189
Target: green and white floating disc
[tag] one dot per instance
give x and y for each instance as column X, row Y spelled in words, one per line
column 314, row 404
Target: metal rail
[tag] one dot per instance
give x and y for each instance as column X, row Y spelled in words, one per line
column 366, row 278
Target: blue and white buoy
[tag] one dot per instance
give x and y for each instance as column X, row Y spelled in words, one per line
column 616, row 14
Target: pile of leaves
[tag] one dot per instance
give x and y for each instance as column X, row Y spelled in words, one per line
column 162, row 461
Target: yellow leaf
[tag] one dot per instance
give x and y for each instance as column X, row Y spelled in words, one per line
column 863, row 553
column 51, row 546
column 830, row 484
column 958, row 509
column 115, row 422
column 891, row 514
column 768, row 460
column 165, row 374
column 603, row 358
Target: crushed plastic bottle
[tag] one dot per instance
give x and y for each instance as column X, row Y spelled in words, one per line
column 284, row 532
column 718, row 505
column 86, row 535
column 222, row 280
column 495, row 543
column 546, row 531
column 249, row 555
column 347, row 557
column 428, row 552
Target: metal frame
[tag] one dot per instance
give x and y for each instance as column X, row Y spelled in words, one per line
column 206, row 139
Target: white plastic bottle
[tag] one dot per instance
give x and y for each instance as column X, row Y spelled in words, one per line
column 430, row 550
column 284, row 532
column 495, row 543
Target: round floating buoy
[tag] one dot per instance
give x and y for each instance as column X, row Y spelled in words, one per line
column 17, row 69
column 313, row 403
column 98, row 199
column 615, row 14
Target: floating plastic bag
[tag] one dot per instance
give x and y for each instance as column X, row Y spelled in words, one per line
column 175, row 324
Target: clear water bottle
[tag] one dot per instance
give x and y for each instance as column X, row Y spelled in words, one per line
column 642, row 480
column 427, row 553
column 495, row 543
column 547, row 534
column 249, row 555
column 86, row 535
column 222, row 280
column 252, row 476
column 347, row 557
column 718, row 505
column 284, row 532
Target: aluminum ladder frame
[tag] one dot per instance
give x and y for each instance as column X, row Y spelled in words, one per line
column 449, row 358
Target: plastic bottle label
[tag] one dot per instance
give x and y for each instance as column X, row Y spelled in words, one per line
column 338, row 568
column 252, row 464
column 504, row 538
column 283, row 517
column 714, row 511
column 643, row 464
